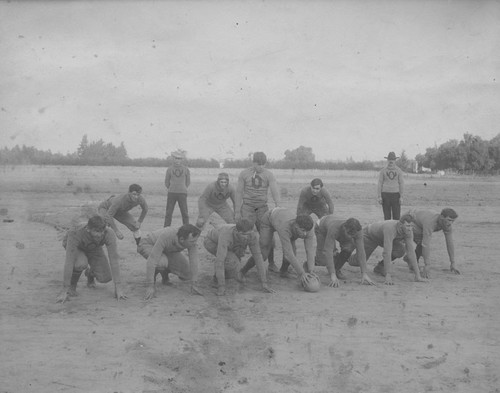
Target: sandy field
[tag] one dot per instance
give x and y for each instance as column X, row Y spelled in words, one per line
column 440, row 336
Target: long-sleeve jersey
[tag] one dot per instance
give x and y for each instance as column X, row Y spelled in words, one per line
column 178, row 179
column 253, row 188
column 331, row 229
column 383, row 233
column 390, row 180
column 123, row 203
column 308, row 199
column 215, row 195
column 80, row 239
column 282, row 221
column 165, row 241
column 425, row 224
column 227, row 240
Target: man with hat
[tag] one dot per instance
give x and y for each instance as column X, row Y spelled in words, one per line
column 214, row 199
column 177, row 180
column 390, row 188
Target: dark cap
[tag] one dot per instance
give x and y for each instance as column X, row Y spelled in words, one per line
column 391, row 156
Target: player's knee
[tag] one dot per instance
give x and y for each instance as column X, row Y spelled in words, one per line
column 200, row 222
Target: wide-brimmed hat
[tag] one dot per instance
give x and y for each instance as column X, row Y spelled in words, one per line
column 391, row 156
column 178, row 154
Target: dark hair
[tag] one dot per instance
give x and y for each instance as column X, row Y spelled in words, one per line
column 187, row 229
column 244, row 225
column 449, row 212
column 223, row 176
column 407, row 217
column 352, row 225
column 259, row 158
column 135, row 187
column 96, row 223
column 316, row 182
column 304, row 222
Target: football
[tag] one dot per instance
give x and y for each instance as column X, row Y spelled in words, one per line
column 313, row 284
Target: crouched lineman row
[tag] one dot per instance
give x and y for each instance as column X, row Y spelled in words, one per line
column 228, row 243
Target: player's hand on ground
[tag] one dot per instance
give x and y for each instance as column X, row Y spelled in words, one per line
column 334, row 282
column 195, row 290
column 267, row 289
column 453, row 269
column 62, row 297
column 388, row 280
column 365, row 279
column 421, row 279
column 119, row 235
column 119, row 294
column 150, row 293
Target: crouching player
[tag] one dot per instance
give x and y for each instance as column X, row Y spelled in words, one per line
column 84, row 251
column 163, row 251
column 228, row 243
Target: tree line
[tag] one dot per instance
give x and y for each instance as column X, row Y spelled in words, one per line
column 470, row 155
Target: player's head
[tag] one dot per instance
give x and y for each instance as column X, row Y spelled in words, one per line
column 316, row 186
column 96, row 226
column 303, row 224
column 259, row 159
column 391, row 159
column 223, row 179
column 134, row 190
column 406, row 221
column 188, row 234
column 178, row 156
column 244, row 228
column 352, row 226
column 447, row 217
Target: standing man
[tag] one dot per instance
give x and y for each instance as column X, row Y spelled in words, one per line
column 163, row 251
column 390, row 188
column 427, row 222
column 289, row 228
column 396, row 237
column 315, row 199
column 214, row 199
column 118, row 207
column 84, row 251
column 229, row 243
column 177, row 181
column 251, row 195
column 349, row 234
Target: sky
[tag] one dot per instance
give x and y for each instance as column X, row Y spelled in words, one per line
column 221, row 79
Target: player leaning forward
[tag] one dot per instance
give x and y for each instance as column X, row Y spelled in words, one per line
column 289, row 228
column 228, row 243
column 214, row 200
column 396, row 238
column 84, row 249
column 118, row 207
column 349, row 234
column 163, row 251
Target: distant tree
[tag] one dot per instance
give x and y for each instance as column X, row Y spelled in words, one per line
column 403, row 162
column 300, row 155
column 84, row 144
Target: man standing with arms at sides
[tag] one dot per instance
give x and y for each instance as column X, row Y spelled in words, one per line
column 214, row 199
column 289, row 228
column 84, row 250
column 163, row 251
column 251, row 195
column 390, row 188
column 396, row 237
column 425, row 223
column 177, row 181
column 117, row 207
column 349, row 234
column 315, row 199
column 228, row 243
